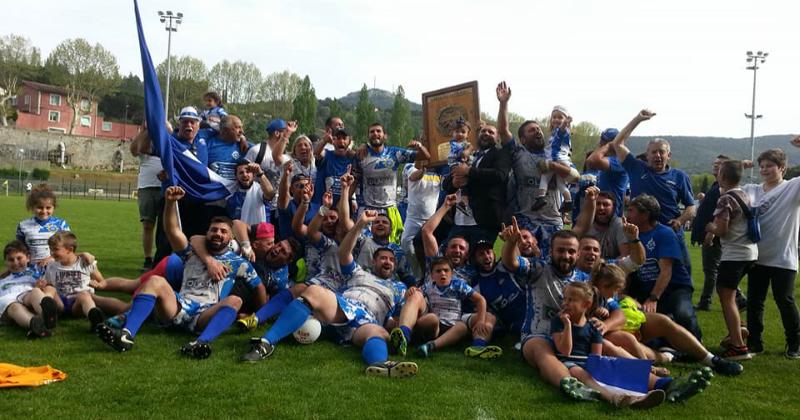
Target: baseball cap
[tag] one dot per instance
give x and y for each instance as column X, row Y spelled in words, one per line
column 339, row 133
column 265, row 230
column 276, row 125
column 482, row 244
column 608, row 135
column 189, row 112
column 299, row 177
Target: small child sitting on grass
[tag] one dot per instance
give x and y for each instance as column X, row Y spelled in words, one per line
column 20, row 301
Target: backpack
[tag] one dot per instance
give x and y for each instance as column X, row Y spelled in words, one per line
column 751, row 216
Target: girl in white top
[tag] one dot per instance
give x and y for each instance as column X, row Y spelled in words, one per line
column 778, row 203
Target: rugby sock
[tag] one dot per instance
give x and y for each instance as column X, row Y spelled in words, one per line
column 141, row 307
column 375, row 351
column 479, row 342
column 708, row 360
column 406, row 332
column 275, row 306
column 662, row 383
column 289, row 321
column 218, row 324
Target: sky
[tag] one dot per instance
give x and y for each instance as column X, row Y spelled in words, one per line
column 603, row 60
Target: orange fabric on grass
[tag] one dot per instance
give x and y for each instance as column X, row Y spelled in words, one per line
column 16, row 376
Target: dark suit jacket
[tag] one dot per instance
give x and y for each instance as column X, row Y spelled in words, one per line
column 486, row 187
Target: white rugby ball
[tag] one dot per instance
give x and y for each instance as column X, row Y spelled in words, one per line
column 308, row 332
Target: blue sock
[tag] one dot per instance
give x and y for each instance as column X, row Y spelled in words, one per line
column 479, row 342
column 275, row 306
column 406, row 332
column 141, row 307
column 288, row 322
column 663, row 383
column 218, row 324
column 375, row 351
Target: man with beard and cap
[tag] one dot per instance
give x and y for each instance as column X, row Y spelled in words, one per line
column 249, row 202
column 203, row 303
column 598, row 219
column 528, row 162
column 358, row 313
column 270, row 154
column 331, row 165
column 670, row 186
column 376, row 175
column 612, row 177
column 485, row 181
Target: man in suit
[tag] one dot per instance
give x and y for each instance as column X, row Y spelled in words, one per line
column 485, row 181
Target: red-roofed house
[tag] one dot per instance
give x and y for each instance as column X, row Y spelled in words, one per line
column 42, row 107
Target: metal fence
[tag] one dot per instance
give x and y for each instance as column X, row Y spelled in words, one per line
column 73, row 188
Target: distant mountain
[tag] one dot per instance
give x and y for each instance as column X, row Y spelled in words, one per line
column 380, row 98
column 695, row 154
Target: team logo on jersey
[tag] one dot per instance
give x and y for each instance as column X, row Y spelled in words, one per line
column 383, row 163
column 651, row 245
column 235, row 154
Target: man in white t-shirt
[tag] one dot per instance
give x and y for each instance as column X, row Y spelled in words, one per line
column 422, row 195
column 149, row 193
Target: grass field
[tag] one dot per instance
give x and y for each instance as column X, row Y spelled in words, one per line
column 322, row 380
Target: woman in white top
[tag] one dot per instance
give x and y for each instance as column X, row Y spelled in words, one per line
column 778, row 203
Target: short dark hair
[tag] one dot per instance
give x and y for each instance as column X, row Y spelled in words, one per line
column 731, row 171
column 647, row 203
column 436, row 261
column 521, row 128
column 329, row 120
column 297, row 248
column 213, row 95
column 377, row 124
column 64, row 238
column 592, row 237
column 609, row 195
column 776, row 156
column 725, row 157
column 382, row 249
column 563, row 234
column 15, row 246
column 222, row 219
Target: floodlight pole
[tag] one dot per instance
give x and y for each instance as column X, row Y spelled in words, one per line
column 172, row 21
column 760, row 56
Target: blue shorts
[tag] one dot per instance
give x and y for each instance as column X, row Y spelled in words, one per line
column 68, row 303
column 188, row 313
column 356, row 314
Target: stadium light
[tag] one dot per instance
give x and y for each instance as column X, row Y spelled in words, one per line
column 172, row 22
column 756, row 59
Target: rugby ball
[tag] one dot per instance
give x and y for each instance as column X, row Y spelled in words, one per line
column 308, row 332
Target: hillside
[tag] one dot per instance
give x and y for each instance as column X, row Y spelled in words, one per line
column 380, row 98
column 695, row 154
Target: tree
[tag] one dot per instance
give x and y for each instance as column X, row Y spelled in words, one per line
column 278, row 90
column 236, row 82
column 18, row 60
column 305, row 107
column 400, row 125
column 126, row 104
column 336, row 109
column 87, row 72
column 188, row 82
column 583, row 137
column 365, row 114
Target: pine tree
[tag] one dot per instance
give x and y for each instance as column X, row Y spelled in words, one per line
column 400, row 127
column 305, row 107
column 365, row 115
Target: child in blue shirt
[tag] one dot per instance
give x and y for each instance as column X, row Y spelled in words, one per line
column 558, row 151
column 460, row 152
column 212, row 115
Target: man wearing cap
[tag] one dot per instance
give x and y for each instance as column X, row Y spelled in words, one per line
column 227, row 148
column 270, row 154
column 331, row 165
column 613, row 177
column 376, row 174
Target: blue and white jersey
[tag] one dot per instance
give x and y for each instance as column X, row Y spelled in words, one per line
column 235, row 202
column 455, row 156
column 504, row 297
column 383, row 298
column 13, row 285
column 198, row 286
column 329, row 170
column 216, row 112
column 464, row 273
column 445, row 302
column 69, row 280
column 670, row 187
column 544, row 293
column 35, row 233
column 559, row 148
column 366, row 246
column 322, row 257
column 378, row 175
column 223, row 156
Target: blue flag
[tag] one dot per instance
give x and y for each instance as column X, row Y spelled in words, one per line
column 182, row 167
column 630, row 374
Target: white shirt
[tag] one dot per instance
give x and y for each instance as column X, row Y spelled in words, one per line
column 149, row 167
column 271, row 169
column 779, row 216
column 422, row 194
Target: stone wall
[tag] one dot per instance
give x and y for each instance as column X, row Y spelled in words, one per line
column 83, row 152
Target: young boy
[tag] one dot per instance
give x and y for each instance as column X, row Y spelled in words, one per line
column 558, row 151
column 460, row 152
column 20, row 300
column 739, row 253
column 435, row 310
column 71, row 283
column 212, row 115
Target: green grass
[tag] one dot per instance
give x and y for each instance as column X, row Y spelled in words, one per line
column 322, row 380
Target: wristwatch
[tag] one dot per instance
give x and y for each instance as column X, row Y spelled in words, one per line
column 653, row 298
column 634, row 241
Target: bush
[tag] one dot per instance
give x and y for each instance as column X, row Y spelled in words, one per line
column 41, row 174
column 12, row 173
